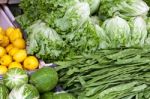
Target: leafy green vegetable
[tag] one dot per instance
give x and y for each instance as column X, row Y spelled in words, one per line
column 84, row 39
column 125, row 9
column 138, row 30
column 44, row 41
column 47, row 10
column 94, row 5
column 74, row 17
column 118, row 31
column 107, row 74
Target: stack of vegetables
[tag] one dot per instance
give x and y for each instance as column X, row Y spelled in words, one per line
column 16, row 84
column 66, row 28
column 101, row 47
column 13, row 52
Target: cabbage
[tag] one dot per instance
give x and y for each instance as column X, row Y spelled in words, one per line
column 137, row 7
column 138, row 30
column 124, row 8
column 74, row 17
column 118, row 32
column 44, row 42
column 94, row 5
column 25, row 91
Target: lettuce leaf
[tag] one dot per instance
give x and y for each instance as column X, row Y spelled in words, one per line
column 44, row 42
column 46, row 10
column 74, row 17
column 125, row 8
column 94, row 5
column 138, row 31
column 118, row 31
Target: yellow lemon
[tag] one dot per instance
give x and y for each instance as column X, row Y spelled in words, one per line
column 19, row 43
column 10, row 31
column 2, row 31
column 14, row 65
column 13, row 51
column 20, row 56
column 2, row 51
column 9, row 47
column 3, row 69
column 1, row 38
column 5, row 41
column 6, row 60
column 15, row 35
column 31, row 63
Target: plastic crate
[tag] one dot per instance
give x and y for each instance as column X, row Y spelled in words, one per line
column 4, row 20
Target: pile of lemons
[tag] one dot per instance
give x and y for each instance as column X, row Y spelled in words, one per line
column 13, row 53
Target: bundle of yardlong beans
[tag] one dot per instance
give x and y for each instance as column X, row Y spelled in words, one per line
column 108, row 74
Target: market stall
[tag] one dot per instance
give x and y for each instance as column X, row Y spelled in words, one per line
column 75, row 49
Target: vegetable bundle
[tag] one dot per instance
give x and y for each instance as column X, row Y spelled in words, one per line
column 107, row 74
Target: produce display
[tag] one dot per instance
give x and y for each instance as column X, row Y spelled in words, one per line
column 92, row 49
column 13, row 52
column 15, row 85
column 67, row 28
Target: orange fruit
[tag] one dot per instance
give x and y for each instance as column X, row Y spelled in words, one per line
column 5, row 41
column 2, row 51
column 10, row 31
column 15, row 35
column 19, row 43
column 9, row 47
column 13, row 51
column 3, row 69
column 20, row 56
column 31, row 63
column 6, row 60
column 14, row 65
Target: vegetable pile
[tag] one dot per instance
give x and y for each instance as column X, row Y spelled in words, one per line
column 101, row 47
column 16, row 84
column 107, row 74
column 66, row 28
